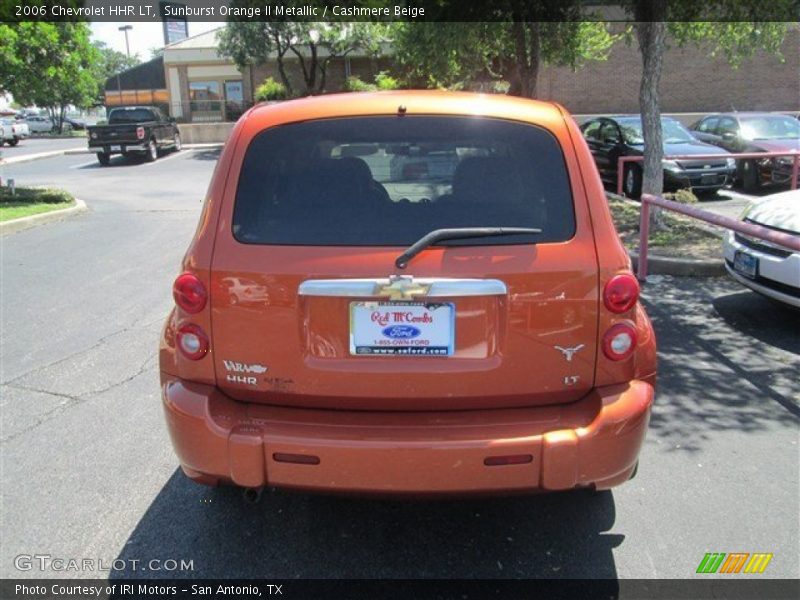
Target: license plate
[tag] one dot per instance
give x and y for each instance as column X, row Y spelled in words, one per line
column 708, row 179
column 116, row 148
column 402, row 328
column 745, row 264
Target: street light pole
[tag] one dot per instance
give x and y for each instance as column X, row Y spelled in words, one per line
column 126, row 29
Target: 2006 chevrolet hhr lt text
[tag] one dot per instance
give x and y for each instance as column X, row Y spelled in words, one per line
column 407, row 292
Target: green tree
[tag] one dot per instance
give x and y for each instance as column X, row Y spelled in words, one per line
column 523, row 37
column 657, row 23
column 313, row 45
column 110, row 63
column 52, row 65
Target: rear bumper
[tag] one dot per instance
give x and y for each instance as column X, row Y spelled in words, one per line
column 123, row 147
column 592, row 442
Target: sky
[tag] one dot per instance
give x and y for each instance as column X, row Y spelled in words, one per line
column 143, row 36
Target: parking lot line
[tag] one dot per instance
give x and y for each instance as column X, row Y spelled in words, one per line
column 86, row 164
column 166, row 158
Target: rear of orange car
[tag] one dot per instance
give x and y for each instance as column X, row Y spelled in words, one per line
column 407, row 292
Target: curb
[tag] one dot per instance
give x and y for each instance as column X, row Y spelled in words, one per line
column 22, row 223
column 70, row 151
column 680, row 267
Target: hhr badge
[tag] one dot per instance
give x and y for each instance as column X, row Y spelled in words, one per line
column 569, row 352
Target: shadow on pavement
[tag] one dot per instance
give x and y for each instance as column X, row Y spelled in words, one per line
column 728, row 360
column 755, row 316
column 295, row 535
column 210, row 154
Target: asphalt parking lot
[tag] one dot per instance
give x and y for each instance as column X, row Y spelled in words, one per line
column 37, row 145
column 88, row 470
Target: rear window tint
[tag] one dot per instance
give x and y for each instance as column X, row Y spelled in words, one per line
column 387, row 181
column 131, row 115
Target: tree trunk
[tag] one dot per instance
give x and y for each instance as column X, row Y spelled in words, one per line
column 527, row 52
column 651, row 35
column 281, row 51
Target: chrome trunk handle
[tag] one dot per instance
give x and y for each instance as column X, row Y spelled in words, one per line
column 402, row 287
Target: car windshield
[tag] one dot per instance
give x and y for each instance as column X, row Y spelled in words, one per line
column 673, row 132
column 130, row 115
column 770, row 128
column 388, row 181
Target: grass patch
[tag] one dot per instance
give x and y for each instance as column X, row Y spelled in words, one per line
column 681, row 237
column 32, row 201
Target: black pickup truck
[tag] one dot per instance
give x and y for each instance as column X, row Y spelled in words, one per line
column 134, row 130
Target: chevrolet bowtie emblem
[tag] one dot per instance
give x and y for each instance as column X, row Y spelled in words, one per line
column 401, row 288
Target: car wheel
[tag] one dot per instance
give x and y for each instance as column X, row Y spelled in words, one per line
column 750, row 179
column 632, row 184
column 152, row 152
column 176, row 142
column 13, row 142
column 103, row 158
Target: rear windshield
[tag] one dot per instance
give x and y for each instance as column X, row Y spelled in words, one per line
column 387, row 181
column 127, row 115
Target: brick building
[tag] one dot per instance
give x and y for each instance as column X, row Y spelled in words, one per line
column 204, row 86
column 692, row 81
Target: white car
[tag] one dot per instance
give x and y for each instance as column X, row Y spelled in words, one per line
column 14, row 131
column 764, row 267
column 39, row 124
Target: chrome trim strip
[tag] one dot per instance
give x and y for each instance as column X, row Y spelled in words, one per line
column 439, row 287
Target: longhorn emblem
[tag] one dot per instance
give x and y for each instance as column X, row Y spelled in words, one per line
column 569, row 352
column 401, row 287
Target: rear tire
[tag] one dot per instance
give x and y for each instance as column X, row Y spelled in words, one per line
column 151, row 154
column 13, row 142
column 103, row 158
column 751, row 182
column 632, row 183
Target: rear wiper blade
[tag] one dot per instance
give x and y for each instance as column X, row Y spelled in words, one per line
column 439, row 235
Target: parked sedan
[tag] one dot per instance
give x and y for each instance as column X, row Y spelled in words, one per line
column 754, row 132
column 39, row 124
column 612, row 137
column 764, row 267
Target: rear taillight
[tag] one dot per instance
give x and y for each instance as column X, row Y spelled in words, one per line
column 140, row 133
column 619, row 342
column 192, row 341
column 621, row 293
column 189, row 293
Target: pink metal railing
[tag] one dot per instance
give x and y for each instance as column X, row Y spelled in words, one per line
column 793, row 178
column 792, row 242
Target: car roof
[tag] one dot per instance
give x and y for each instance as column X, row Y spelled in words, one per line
column 407, row 102
column 746, row 114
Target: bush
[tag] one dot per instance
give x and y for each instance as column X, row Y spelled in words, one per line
column 24, row 195
column 271, row 90
column 684, row 196
column 384, row 81
column 354, row 84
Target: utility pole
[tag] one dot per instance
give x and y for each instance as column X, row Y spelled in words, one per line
column 126, row 29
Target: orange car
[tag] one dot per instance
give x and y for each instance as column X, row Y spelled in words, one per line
column 440, row 305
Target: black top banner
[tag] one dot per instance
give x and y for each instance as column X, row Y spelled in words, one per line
column 396, row 10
